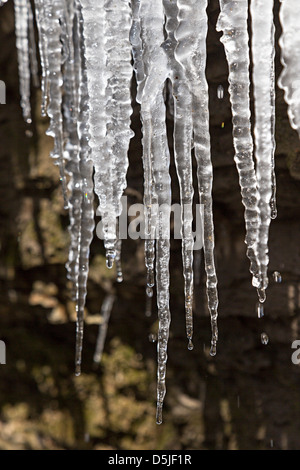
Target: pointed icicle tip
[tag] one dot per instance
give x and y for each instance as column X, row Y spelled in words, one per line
column 159, row 415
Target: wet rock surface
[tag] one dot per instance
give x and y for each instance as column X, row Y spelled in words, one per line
column 246, row 398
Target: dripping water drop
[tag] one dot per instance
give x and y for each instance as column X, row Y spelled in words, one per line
column 260, row 310
column 110, row 257
column 149, row 292
column 213, row 350
column 277, row 277
column 261, row 295
column 264, row 339
column 152, row 338
column 220, row 92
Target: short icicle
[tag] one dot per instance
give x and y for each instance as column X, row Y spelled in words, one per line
column 51, row 14
column 22, row 38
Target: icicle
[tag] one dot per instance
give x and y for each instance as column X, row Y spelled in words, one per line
column 233, row 22
column 140, row 41
column 109, row 71
column 157, row 179
column 49, row 15
column 263, row 51
column 290, row 57
column 21, row 20
column 87, row 187
column 106, row 309
column 118, row 102
column 183, row 134
column 136, row 43
column 71, row 79
column 32, row 48
column 43, row 48
column 191, row 53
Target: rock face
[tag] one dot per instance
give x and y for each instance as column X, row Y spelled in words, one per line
column 245, row 398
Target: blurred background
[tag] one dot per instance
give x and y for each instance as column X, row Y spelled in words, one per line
column 248, row 397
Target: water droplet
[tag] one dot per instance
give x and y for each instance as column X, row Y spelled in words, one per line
column 264, row 338
column 213, row 350
column 273, row 213
column 150, row 278
column 277, row 277
column 220, row 92
column 110, row 258
column 260, row 310
column 261, row 295
column 149, row 292
column 152, row 338
column 190, row 345
column 109, row 263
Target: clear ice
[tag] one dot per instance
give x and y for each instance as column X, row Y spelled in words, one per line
column 89, row 51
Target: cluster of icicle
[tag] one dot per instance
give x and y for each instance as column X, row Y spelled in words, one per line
column 88, row 51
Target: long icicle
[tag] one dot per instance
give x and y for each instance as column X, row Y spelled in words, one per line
column 263, row 52
column 183, row 128
column 87, row 223
column 139, row 43
column 157, row 179
column 191, row 53
column 233, row 22
column 71, row 80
